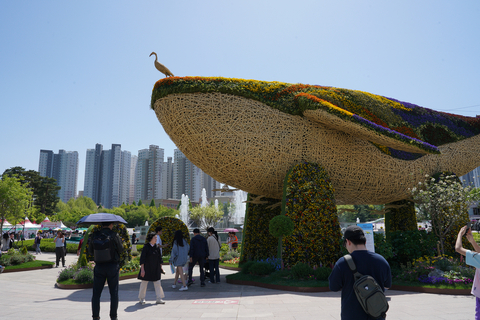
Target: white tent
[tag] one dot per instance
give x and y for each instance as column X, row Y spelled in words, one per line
column 6, row 223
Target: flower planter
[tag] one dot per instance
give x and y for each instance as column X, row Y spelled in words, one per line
column 27, row 269
column 88, row 285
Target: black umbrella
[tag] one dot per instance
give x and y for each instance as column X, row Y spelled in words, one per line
column 99, row 218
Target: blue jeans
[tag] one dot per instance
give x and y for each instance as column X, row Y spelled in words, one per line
column 214, row 272
column 109, row 272
column 37, row 248
column 201, row 263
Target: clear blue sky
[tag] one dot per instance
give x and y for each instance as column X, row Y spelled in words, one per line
column 77, row 73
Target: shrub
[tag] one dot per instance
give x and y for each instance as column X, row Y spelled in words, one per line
column 224, row 249
column 411, row 245
column 5, row 260
column 135, row 253
column 301, row 271
column 23, row 250
column 82, row 261
column 261, row 268
column 227, row 257
column 246, row 266
column 322, row 273
column 382, row 247
column 66, row 274
column 235, row 254
column 83, row 275
column 443, row 264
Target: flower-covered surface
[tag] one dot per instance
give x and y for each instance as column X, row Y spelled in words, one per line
column 421, row 127
column 169, row 226
column 127, row 245
column 257, row 241
column 310, row 203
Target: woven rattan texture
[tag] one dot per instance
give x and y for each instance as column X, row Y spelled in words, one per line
column 248, row 145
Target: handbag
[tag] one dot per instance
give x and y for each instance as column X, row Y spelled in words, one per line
column 34, row 246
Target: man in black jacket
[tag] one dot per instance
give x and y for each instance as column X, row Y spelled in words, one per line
column 108, row 271
column 198, row 253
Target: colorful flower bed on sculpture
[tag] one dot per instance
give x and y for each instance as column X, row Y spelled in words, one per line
column 310, row 203
column 169, row 226
column 403, row 121
column 122, row 231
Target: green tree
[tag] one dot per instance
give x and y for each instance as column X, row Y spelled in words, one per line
column 45, row 190
column 445, row 201
column 205, row 217
column 152, row 203
column 15, row 198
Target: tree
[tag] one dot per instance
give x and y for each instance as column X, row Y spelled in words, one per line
column 15, row 199
column 152, row 203
column 444, row 200
column 45, row 190
column 205, row 217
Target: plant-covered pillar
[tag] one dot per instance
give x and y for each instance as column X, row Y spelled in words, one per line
column 400, row 216
column 257, row 242
column 309, row 201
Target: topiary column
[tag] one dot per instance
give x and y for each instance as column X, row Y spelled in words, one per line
column 309, row 201
column 400, row 216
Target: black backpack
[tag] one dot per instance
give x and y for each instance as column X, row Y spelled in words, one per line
column 103, row 247
column 368, row 292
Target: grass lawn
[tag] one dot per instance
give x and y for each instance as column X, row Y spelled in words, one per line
column 31, row 264
column 233, row 265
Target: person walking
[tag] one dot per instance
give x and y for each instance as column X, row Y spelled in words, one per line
column 37, row 241
column 472, row 259
column 151, row 269
column 367, row 263
column 159, row 232
column 214, row 255
column 107, row 268
column 198, row 253
column 59, row 248
column 179, row 258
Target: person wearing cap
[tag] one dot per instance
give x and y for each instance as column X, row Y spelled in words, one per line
column 367, row 263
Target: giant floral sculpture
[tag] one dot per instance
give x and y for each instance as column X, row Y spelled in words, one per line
column 370, row 149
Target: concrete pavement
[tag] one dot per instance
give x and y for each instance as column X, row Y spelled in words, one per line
column 32, row 295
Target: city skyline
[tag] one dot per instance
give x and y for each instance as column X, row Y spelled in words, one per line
column 115, row 176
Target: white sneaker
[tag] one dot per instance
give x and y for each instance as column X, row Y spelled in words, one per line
column 160, row 301
column 174, row 286
column 183, row 289
column 142, row 301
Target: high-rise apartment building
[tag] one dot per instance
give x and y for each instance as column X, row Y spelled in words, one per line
column 107, row 175
column 190, row 180
column 149, row 174
column 133, row 166
column 64, row 168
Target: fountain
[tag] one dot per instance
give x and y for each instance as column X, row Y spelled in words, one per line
column 239, row 197
column 204, row 201
column 184, row 210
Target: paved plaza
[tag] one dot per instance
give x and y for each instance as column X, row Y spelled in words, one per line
column 33, row 295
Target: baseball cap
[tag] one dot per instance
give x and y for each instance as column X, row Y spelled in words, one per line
column 353, row 232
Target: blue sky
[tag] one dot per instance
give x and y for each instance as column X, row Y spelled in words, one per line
column 73, row 74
